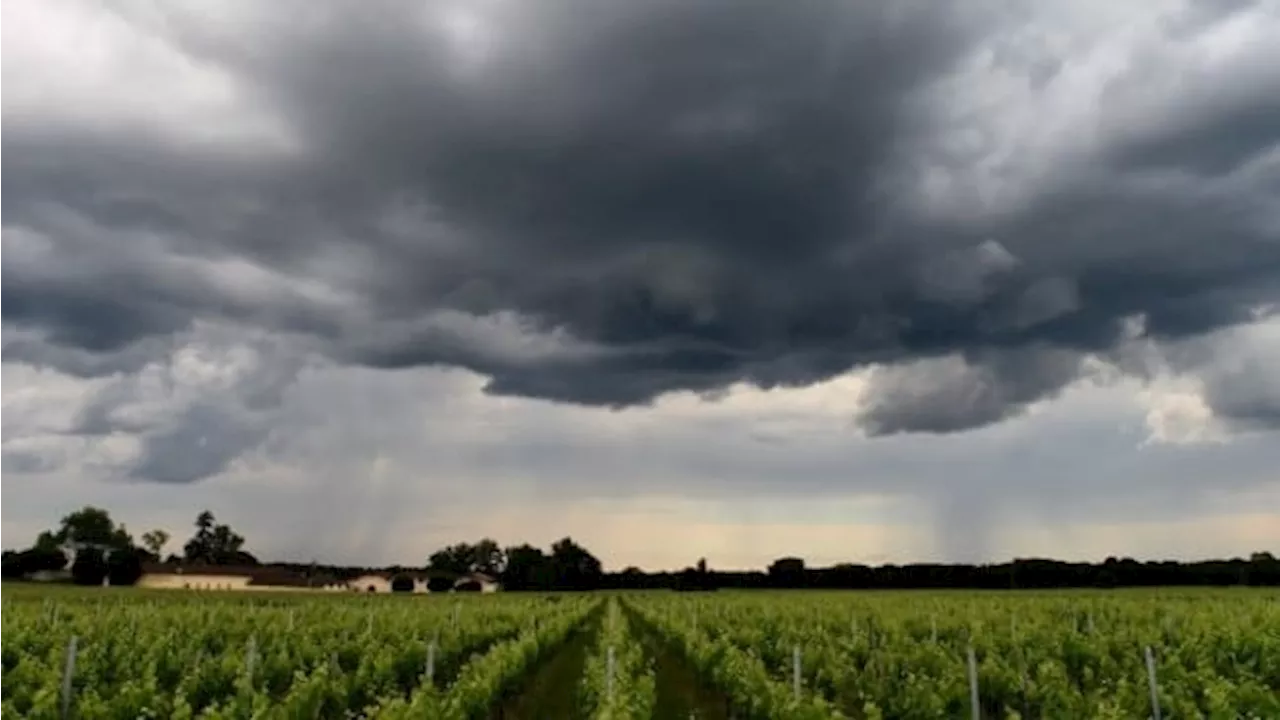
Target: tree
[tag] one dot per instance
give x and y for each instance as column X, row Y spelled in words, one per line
column 216, row 544
column 204, row 523
column 787, row 572
column 402, row 584
column 45, row 556
column 455, row 559
column 47, row 541
column 155, row 541
column 18, row 565
column 90, row 566
column 527, row 568
column 487, row 557
column 124, row 567
column 89, row 527
column 574, row 567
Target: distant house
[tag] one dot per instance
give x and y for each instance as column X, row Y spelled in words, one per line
column 383, row 581
column 171, row 576
column 475, row 582
column 176, row 576
column 371, row 582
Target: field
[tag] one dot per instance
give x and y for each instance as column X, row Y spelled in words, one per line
column 1214, row 654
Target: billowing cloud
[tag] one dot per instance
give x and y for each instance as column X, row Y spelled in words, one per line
column 969, row 206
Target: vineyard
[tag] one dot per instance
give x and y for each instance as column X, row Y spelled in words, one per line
column 1115, row 654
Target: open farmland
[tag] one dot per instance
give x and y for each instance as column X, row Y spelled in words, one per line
column 1214, row 654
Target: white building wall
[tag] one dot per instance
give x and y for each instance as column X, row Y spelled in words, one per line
column 195, row 582
column 370, row 583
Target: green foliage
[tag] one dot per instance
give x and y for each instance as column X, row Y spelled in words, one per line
column 757, row 694
column 124, row 567
column 215, row 544
column 87, row 527
column 89, row 567
column 1049, row 654
column 633, row 686
column 19, row 564
column 154, row 541
column 174, row 654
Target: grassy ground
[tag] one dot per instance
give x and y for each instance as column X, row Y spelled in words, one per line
column 551, row 690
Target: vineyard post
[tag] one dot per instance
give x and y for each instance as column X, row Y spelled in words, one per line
column 431, row 661
column 608, row 676
column 933, row 628
column 290, row 619
column 975, row 708
column 68, row 671
column 1151, row 680
column 457, row 608
column 251, row 657
column 795, row 671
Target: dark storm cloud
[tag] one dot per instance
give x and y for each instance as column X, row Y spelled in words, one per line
column 667, row 195
column 954, row 394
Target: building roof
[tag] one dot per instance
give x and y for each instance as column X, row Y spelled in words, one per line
column 198, row 569
column 389, row 574
column 257, row 574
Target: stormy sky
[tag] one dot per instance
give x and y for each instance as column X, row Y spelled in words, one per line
column 848, row 279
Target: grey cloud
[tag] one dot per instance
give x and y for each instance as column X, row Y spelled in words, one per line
column 199, row 444
column 956, row 393
column 1241, row 384
column 29, row 461
column 664, row 196
column 198, row 409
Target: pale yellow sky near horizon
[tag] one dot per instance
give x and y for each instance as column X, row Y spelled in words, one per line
column 670, row 534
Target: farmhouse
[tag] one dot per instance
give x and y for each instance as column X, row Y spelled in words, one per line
column 475, row 582
column 173, row 576
column 383, row 582
column 231, row 577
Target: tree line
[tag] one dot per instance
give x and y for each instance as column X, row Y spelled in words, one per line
column 99, row 550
